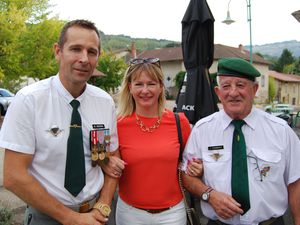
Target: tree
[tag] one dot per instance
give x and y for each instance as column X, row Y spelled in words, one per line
column 113, row 69
column 179, row 78
column 297, row 67
column 14, row 14
column 38, row 59
column 286, row 58
column 271, row 89
column 11, row 27
column 173, row 45
column 289, row 69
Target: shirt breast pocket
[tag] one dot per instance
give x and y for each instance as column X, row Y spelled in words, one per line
column 217, row 164
column 265, row 165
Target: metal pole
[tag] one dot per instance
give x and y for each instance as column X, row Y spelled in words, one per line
column 250, row 28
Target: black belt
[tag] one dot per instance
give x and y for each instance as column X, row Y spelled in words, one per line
column 272, row 221
column 154, row 211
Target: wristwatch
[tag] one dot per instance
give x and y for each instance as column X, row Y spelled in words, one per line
column 205, row 194
column 103, row 208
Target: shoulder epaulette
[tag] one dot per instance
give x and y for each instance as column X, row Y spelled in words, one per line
column 275, row 119
column 205, row 120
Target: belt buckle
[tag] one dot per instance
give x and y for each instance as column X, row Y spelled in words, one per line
column 84, row 207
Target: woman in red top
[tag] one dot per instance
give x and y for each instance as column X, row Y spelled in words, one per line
column 149, row 192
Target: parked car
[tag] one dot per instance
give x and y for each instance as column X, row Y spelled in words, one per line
column 5, row 99
column 286, row 108
column 283, row 111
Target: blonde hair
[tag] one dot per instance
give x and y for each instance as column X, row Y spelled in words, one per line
column 125, row 102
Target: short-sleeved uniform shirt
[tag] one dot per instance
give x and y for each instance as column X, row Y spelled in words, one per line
column 44, row 105
column 273, row 152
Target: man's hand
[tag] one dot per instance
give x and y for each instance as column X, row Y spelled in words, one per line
column 94, row 217
column 224, row 205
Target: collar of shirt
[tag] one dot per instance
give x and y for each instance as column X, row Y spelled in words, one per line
column 250, row 120
column 63, row 92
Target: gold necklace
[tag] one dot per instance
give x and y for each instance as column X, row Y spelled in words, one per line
column 144, row 128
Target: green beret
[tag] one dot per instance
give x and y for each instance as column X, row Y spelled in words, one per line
column 237, row 67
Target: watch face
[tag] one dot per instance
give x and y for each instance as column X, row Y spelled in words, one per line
column 205, row 196
column 105, row 210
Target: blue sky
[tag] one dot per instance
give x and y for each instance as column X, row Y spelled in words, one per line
column 161, row 19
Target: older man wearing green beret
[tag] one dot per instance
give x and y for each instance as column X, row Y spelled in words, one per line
column 250, row 158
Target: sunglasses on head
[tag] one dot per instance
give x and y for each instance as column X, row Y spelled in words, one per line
column 138, row 61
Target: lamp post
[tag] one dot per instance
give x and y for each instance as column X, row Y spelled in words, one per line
column 229, row 21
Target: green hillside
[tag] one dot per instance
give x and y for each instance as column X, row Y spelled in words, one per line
column 113, row 42
column 275, row 49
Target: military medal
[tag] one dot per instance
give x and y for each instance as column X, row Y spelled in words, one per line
column 101, row 136
column 94, row 149
column 102, row 156
column 94, row 156
column 100, row 143
column 106, row 159
column 101, row 147
column 104, row 145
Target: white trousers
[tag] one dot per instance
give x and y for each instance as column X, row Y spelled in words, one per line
column 128, row 215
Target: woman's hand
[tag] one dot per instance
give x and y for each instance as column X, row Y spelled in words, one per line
column 195, row 168
column 114, row 167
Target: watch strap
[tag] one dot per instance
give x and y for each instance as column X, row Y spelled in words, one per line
column 206, row 194
column 208, row 190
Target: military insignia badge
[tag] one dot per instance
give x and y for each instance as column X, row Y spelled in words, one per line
column 216, row 156
column 54, row 130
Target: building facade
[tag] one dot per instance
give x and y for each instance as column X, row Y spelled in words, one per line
column 287, row 87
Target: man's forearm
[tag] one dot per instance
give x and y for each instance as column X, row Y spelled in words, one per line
column 109, row 186
column 18, row 180
column 108, row 190
column 294, row 200
column 193, row 184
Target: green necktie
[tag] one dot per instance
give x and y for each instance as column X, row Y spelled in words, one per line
column 75, row 163
column 239, row 174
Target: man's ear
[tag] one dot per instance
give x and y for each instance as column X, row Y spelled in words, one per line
column 217, row 90
column 57, row 51
column 255, row 87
